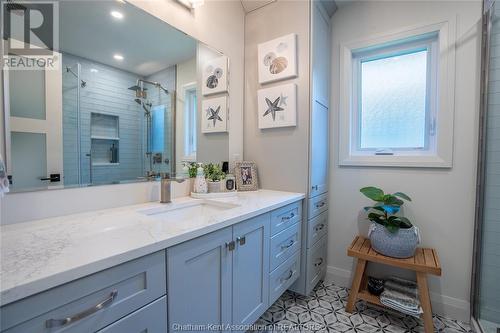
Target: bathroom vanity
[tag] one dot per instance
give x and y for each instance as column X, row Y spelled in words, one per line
column 152, row 267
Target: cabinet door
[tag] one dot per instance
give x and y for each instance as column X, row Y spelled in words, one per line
column 199, row 282
column 319, row 149
column 250, row 269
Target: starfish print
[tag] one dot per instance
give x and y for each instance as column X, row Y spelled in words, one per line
column 214, row 115
column 283, row 100
column 272, row 107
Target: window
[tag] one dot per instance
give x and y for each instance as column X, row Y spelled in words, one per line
column 395, row 91
column 190, row 110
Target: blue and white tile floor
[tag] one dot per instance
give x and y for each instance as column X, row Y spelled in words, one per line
column 324, row 311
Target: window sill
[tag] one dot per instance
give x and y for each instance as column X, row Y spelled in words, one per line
column 423, row 161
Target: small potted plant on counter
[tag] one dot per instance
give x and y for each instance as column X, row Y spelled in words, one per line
column 390, row 234
column 214, row 175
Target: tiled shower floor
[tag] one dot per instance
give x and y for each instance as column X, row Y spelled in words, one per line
column 324, row 311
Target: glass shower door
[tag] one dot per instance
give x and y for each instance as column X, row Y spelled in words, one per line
column 486, row 289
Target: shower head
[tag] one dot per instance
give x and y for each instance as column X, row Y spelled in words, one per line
column 135, row 88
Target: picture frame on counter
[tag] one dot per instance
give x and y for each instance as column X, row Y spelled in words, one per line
column 245, row 173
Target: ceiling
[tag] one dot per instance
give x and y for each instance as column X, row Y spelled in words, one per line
column 147, row 44
column 250, row 5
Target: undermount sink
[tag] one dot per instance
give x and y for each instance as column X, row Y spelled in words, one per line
column 188, row 211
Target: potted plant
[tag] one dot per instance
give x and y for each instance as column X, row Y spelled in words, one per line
column 213, row 175
column 390, row 234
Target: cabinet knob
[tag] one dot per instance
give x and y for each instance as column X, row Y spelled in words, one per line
column 242, row 240
column 230, row 246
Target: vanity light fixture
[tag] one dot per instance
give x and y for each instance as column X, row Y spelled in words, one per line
column 191, row 4
column 117, row 15
column 118, row 57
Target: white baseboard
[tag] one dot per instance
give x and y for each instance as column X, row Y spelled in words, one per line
column 443, row 305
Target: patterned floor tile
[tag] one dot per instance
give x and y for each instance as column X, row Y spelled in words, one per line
column 324, row 311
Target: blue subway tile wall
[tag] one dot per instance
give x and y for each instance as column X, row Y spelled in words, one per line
column 106, row 92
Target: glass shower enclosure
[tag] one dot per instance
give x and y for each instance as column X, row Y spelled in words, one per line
column 486, row 271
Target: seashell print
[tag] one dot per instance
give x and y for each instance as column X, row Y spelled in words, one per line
column 278, row 65
column 268, row 58
column 218, row 72
column 281, row 47
column 212, row 81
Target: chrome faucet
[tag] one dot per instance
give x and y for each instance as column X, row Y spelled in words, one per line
column 166, row 188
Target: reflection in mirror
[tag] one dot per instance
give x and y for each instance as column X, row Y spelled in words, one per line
column 124, row 105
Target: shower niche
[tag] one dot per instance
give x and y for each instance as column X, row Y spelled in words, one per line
column 105, row 139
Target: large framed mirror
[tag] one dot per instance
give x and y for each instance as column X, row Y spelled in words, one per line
column 133, row 99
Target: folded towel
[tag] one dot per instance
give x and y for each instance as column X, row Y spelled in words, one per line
column 4, row 181
column 401, row 295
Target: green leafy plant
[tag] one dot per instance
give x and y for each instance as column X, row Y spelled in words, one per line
column 213, row 172
column 192, row 169
column 385, row 208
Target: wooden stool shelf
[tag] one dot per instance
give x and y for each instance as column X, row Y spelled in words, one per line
column 425, row 261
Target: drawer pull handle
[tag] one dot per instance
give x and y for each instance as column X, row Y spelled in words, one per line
column 286, row 218
column 315, row 187
column 320, row 204
column 319, row 227
column 289, row 245
column 62, row 322
column 319, row 262
column 290, row 274
column 241, row 240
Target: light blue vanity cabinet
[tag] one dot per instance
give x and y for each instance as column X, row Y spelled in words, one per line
column 93, row 302
column 220, row 278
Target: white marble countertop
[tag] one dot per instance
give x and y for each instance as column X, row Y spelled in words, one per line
column 42, row 254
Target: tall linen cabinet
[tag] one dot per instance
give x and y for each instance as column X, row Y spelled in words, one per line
column 315, row 229
column 295, row 158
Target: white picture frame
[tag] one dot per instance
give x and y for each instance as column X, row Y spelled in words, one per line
column 277, row 59
column 214, row 76
column 214, row 115
column 277, row 106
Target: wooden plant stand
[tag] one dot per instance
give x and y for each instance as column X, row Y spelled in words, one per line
column 424, row 262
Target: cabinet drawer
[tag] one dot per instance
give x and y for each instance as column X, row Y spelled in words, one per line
column 317, row 205
column 283, row 277
column 284, row 244
column 316, row 263
column 151, row 319
column 317, row 227
column 121, row 289
column 286, row 216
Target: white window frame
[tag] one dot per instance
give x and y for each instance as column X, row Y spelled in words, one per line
column 439, row 39
column 189, row 122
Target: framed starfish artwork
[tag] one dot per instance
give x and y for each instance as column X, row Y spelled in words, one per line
column 277, row 106
column 214, row 115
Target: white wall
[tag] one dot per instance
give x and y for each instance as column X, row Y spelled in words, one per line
column 219, row 24
column 443, row 205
